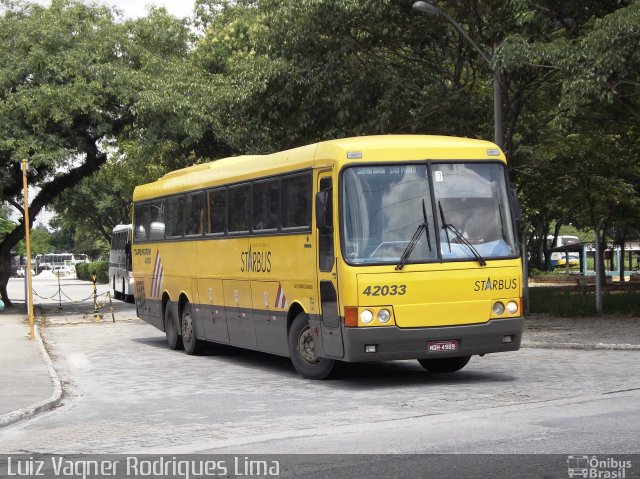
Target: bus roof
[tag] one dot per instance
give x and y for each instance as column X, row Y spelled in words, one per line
column 363, row 149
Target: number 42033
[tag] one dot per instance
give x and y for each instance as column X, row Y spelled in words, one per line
column 390, row 290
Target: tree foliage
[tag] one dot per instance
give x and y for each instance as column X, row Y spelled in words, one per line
column 74, row 81
column 252, row 76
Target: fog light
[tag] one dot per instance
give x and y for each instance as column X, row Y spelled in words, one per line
column 366, row 316
column 384, row 315
column 370, row 348
column 507, row 339
column 512, row 307
column 498, row 308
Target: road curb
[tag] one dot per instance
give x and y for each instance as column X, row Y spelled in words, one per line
column 39, row 407
column 580, row 346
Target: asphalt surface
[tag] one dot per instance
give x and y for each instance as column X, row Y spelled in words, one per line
column 125, row 392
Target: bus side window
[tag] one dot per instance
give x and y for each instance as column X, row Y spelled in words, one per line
column 175, row 216
column 266, row 205
column 217, row 211
column 325, row 235
column 141, row 214
column 296, row 201
column 157, row 226
column 195, row 215
column 239, row 208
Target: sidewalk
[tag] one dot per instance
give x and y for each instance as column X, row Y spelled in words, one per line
column 29, row 382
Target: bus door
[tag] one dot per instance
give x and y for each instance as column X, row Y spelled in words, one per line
column 327, row 275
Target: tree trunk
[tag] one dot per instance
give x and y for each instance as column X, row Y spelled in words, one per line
column 94, row 160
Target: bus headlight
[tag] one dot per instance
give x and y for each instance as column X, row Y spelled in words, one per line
column 512, row 307
column 498, row 308
column 366, row 316
column 384, row 315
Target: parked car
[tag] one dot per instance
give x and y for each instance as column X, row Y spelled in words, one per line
column 62, row 270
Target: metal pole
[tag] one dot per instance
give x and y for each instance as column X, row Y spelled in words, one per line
column 96, row 308
column 498, row 131
column 59, row 292
column 27, row 238
column 525, row 270
column 598, row 268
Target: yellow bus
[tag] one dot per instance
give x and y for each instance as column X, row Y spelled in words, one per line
column 357, row 249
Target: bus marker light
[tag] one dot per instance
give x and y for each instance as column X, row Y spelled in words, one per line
column 354, row 155
column 370, row 348
column 493, row 152
column 384, row 315
column 351, row 317
column 366, row 316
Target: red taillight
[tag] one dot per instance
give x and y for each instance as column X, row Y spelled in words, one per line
column 350, row 317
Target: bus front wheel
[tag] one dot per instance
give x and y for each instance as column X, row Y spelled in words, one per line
column 302, row 351
column 174, row 341
column 192, row 345
column 444, row 365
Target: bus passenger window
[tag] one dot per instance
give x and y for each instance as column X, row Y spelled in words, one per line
column 266, row 205
column 175, row 216
column 141, row 214
column 156, row 227
column 239, row 208
column 217, row 211
column 195, row 215
column 296, row 201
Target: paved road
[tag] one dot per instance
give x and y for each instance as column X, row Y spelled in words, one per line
column 126, row 392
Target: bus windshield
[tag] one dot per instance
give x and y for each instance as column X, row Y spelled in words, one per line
column 393, row 214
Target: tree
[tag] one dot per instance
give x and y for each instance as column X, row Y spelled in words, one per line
column 109, row 191
column 72, row 82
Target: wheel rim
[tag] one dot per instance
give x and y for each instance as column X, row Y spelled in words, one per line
column 306, row 346
column 187, row 328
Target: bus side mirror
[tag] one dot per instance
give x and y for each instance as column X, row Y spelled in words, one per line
column 324, row 210
column 157, row 230
column 515, row 206
column 141, row 233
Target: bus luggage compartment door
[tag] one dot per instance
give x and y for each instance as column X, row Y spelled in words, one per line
column 237, row 306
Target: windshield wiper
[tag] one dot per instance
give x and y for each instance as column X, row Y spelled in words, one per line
column 424, row 226
column 448, row 226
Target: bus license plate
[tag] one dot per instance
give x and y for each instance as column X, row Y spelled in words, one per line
column 442, row 346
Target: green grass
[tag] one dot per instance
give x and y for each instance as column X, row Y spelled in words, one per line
column 572, row 302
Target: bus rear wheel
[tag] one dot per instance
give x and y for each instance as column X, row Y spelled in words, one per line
column 302, row 351
column 192, row 345
column 174, row 341
column 444, row 365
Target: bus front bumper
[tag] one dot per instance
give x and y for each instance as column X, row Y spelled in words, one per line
column 494, row 336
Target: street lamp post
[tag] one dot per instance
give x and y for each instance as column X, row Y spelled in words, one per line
column 498, row 134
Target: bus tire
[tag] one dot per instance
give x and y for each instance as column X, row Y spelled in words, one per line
column 444, row 365
column 192, row 345
column 174, row 341
column 302, row 351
